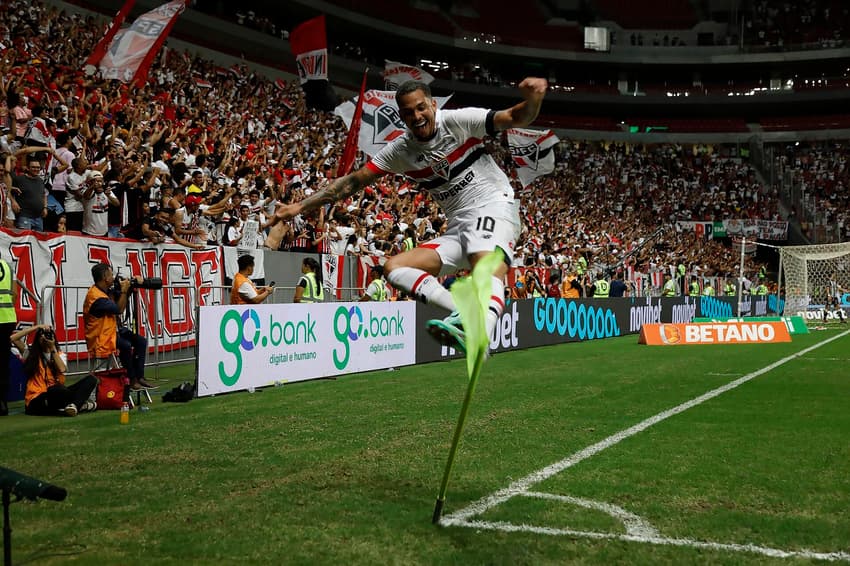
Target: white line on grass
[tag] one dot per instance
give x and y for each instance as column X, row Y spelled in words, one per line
column 763, row 550
column 522, row 485
column 635, row 525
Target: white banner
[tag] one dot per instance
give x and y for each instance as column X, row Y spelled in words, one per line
column 533, row 153
column 231, row 257
column 130, row 46
column 381, row 123
column 704, row 230
column 247, row 346
column 760, row 229
column 57, row 269
column 740, row 227
column 332, row 274
column 396, row 73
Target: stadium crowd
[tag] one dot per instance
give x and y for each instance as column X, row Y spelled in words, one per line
column 820, row 171
column 201, row 155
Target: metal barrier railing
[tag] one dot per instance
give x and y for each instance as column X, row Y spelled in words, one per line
column 167, row 317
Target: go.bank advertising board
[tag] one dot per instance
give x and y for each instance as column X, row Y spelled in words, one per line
column 246, row 346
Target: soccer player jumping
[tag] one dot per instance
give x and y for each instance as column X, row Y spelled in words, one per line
column 443, row 151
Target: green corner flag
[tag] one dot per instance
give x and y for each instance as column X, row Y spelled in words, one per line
column 472, row 299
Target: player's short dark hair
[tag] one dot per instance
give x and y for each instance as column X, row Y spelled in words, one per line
column 244, row 261
column 408, row 87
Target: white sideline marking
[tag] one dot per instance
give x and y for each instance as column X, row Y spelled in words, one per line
column 522, row 485
column 763, row 550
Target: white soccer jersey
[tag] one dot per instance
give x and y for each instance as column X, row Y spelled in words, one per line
column 95, row 209
column 190, row 221
column 453, row 166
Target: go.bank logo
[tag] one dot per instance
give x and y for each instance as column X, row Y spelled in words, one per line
column 242, row 331
column 350, row 325
column 568, row 318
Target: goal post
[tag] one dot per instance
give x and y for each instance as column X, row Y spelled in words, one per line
column 814, row 275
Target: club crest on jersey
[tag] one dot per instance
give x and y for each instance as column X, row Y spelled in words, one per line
column 525, row 155
column 442, row 168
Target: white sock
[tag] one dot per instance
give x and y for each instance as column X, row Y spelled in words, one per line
column 497, row 305
column 421, row 285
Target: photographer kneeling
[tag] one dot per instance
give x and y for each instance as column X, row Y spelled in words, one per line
column 44, row 367
column 101, row 312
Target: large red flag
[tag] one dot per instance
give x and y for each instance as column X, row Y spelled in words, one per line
column 133, row 49
column 310, row 46
column 101, row 47
column 346, row 163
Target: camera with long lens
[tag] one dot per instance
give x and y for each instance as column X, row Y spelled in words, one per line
column 146, row 283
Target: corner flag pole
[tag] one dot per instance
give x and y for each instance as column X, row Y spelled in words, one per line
column 741, row 275
column 461, row 422
column 472, row 297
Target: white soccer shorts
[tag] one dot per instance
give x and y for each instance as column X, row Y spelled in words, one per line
column 482, row 229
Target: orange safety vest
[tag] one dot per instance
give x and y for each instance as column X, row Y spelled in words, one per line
column 42, row 380
column 101, row 332
column 235, row 298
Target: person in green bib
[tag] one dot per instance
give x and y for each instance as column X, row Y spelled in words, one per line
column 8, row 321
column 309, row 288
column 729, row 289
column 409, row 241
column 601, row 288
column 669, row 289
column 377, row 289
column 693, row 288
column 680, row 276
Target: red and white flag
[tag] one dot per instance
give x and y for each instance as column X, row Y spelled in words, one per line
column 332, row 271
column 380, row 122
column 133, row 49
column 396, row 73
column 202, row 83
column 310, row 46
column 638, row 281
column 280, row 84
column 102, row 45
column 364, row 269
column 533, row 153
column 657, row 278
column 349, row 153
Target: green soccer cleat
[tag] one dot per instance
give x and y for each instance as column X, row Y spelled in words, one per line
column 448, row 332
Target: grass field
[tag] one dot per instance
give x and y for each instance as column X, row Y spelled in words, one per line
column 346, row 471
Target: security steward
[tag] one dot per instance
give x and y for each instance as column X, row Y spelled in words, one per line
column 693, row 288
column 601, row 288
column 309, row 289
column 8, row 321
column 377, row 289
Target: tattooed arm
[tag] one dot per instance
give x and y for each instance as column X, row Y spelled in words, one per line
column 337, row 190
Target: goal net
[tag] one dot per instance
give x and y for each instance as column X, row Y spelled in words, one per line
column 814, row 275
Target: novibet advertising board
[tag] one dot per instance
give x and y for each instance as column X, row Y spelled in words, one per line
column 248, row 346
